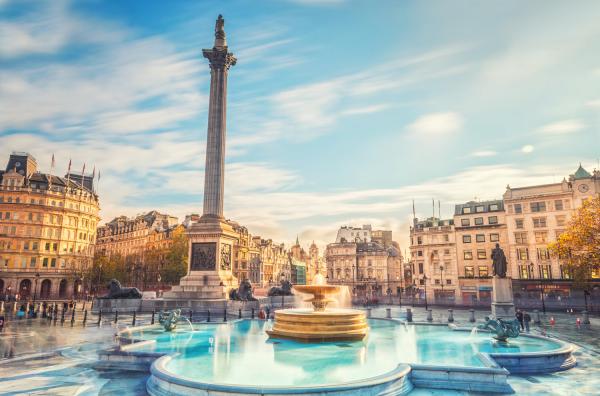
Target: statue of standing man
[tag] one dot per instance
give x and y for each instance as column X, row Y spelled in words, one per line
column 499, row 262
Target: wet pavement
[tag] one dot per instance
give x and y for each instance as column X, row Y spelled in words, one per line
column 43, row 357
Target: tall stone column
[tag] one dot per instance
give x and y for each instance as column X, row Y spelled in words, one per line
column 220, row 61
column 212, row 238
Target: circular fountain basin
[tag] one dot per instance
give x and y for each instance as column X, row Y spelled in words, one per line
column 320, row 326
column 239, row 357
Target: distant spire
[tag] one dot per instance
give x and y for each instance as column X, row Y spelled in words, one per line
column 297, row 240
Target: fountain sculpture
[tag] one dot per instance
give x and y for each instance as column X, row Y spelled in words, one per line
column 502, row 329
column 319, row 324
column 169, row 319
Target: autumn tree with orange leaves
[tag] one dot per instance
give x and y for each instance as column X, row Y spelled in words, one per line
column 579, row 245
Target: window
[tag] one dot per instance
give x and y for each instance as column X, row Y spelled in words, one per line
column 32, row 262
column 558, row 204
column 493, row 220
column 468, row 255
column 480, row 238
column 448, row 281
column 494, row 237
column 521, row 237
column 483, row 271
column 493, row 207
column 522, row 254
column 538, row 206
column 543, row 254
column 560, row 220
column 35, row 246
column 541, row 237
column 45, row 262
column 466, row 210
column 565, row 272
column 53, row 263
column 437, row 281
column 47, row 246
column 481, row 253
column 545, row 272
column 478, row 220
column 469, row 273
column 524, row 272
column 479, row 209
column 539, row 222
column 419, row 240
column 446, row 238
column 518, row 208
column 519, row 223
column 446, row 252
column 466, row 238
column 420, row 268
column 420, row 253
column 465, row 222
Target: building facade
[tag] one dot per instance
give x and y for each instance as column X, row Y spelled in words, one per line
column 47, row 231
column 433, row 254
column 535, row 217
column 479, row 226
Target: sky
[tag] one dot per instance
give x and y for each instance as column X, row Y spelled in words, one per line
column 340, row 112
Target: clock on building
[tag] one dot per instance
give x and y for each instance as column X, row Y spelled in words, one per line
column 583, row 188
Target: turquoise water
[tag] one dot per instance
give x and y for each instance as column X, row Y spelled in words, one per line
column 241, row 353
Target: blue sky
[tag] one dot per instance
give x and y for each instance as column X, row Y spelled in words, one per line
column 340, row 112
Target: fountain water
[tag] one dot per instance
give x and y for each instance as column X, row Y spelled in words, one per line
column 319, row 323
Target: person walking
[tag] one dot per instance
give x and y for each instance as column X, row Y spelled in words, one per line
column 519, row 316
column 527, row 320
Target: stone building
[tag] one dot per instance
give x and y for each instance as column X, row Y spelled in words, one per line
column 535, row 216
column 433, row 253
column 47, row 230
column 479, row 226
column 245, row 254
column 354, row 234
column 369, row 268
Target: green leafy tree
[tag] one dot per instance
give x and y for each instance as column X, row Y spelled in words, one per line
column 175, row 258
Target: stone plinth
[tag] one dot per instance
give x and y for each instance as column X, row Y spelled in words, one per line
column 503, row 306
column 209, row 266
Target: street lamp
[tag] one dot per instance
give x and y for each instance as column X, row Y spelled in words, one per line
column 425, row 282
column 37, row 277
column 542, row 293
column 442, row 281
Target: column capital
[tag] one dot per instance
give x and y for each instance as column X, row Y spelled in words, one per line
column 219, row 58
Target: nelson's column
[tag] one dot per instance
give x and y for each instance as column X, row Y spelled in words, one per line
column 211, row 239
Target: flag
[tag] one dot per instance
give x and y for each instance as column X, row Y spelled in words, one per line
column 69, row 169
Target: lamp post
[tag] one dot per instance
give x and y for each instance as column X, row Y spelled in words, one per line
column 99, row 276
column 37, row 277
column 425, row 283
column 542, row 293
column 586, row 294
column 442, row 281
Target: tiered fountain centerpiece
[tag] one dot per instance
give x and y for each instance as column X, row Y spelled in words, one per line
column 319, row 324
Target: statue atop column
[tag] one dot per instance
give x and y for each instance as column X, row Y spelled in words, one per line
column 499, row 263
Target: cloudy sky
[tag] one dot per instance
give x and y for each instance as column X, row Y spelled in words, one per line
column 340, row 112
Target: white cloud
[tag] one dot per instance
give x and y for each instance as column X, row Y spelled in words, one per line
column 484, row 153
column 593, row 103
column 436, row 124
column 366, row 109
column 528, row 148
column 563, row 127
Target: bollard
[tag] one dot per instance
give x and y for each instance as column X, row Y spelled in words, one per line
column 191, row 315
column 429, row 315
column 153, row 313
column 72, row 317
column 83, row 306
column 472, row 315
column 116, row 315
column 368, row 312
column 240, row 313
column 62, row 316
column 84, row 317
column 586, row 317
column 225, row 315
column 252, row 313
column 99, row 317
column 408, row 315
column 450, row 315
column 55, row 313
column 133, row 319
column 208, row 315
column 536, row 315
column 388, row 313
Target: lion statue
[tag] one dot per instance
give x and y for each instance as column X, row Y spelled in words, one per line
column 284, row 290
column 115, row 290
column 243, row 293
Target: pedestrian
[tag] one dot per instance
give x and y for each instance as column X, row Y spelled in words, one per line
column 527, row 320
column 519, row 316
column 65, row 306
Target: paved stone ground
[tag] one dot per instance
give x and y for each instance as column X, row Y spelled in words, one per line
column 39, row 357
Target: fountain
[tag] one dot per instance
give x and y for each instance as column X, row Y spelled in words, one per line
column 319, row 324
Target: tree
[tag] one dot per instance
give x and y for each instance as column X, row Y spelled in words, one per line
column 176, row 258
column 579, row 245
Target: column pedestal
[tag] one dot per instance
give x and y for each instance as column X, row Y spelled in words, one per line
column 209, row 266
column 503, row 306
